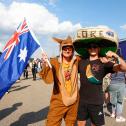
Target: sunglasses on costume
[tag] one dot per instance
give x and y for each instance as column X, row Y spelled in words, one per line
column 69, row 48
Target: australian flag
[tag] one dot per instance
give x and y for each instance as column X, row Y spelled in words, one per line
column 15, row 56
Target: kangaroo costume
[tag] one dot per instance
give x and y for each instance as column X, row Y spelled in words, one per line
column 64, row 100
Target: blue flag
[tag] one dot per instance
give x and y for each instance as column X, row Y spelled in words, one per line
column 122, row 49
column 15, row 56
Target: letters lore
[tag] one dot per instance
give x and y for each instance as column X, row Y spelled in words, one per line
column 86, row 33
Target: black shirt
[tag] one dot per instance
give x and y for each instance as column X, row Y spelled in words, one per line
column 91, row 81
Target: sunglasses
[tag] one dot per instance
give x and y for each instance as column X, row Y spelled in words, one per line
column 69, row 48
column 93, row 46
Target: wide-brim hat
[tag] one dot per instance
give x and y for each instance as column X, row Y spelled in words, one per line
column 106, row 38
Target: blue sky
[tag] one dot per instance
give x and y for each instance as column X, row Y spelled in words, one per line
column 94, row 12
column 60, row 18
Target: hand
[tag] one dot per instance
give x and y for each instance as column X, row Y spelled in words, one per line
column 113, row 57
column 44, row 59
column 111, row 54
column 104, row 59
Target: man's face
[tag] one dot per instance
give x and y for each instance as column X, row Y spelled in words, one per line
column 67, row 51
column 93, row 49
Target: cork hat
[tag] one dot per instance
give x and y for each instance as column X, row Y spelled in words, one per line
column 64, row 42
column 105, row 37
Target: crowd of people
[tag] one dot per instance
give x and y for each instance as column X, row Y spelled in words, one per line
column 34, row 66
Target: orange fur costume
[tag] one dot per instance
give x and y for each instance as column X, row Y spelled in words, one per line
column 62, row 104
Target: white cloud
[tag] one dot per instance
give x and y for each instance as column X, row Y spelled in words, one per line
column 42, row 21
column 100, row 26
column 53, row 2
column 103, row 26
column 123, row 27
column 68, row 26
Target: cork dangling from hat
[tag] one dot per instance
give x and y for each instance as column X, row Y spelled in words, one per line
column 64, row 42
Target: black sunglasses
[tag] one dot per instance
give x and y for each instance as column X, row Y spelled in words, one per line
column 65, row 48
column 92, row 46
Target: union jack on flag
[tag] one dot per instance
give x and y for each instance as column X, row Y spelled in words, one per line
column 15, row 56
column 14, row 40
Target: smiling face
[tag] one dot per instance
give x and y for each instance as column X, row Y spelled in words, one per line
column 67, row 51
column 93, row 50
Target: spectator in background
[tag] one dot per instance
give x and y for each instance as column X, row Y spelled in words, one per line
column 30, row 65
column 34, row 69
column 26, row 72
column 117, row 94
column 39, row 66
column 106, row 82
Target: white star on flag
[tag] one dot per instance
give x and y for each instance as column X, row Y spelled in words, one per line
column 23, row 54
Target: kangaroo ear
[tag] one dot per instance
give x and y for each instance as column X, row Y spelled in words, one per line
column 69, row 38
column 57, row 40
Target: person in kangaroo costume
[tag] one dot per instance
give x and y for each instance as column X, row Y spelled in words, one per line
column 64, row 74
